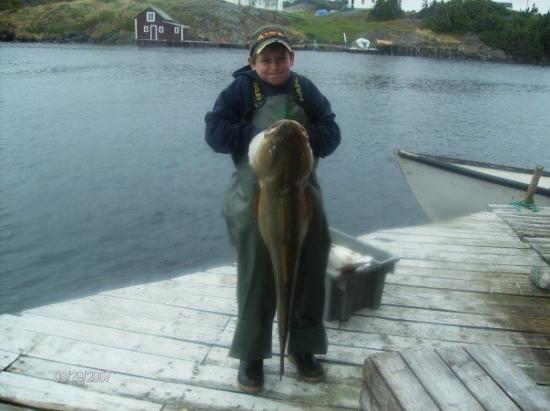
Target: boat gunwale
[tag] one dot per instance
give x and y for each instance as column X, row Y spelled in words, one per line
column 453, row 165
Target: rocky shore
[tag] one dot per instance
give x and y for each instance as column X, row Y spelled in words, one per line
column 92, row 21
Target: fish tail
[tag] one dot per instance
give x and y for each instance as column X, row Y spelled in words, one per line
column 291, row 304
column 282, row 349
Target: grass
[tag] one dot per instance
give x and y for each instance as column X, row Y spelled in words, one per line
column 113, row 21
column 329, row 29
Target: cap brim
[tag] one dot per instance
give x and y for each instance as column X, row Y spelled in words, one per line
column 267, row 42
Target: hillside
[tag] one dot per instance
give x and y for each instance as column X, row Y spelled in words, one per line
column 111, row 21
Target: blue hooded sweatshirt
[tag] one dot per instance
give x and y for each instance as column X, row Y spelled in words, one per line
column 229, row 128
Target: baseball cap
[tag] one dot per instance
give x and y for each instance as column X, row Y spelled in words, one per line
column 265, row 36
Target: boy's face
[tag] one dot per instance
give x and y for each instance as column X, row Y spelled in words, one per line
column 273, row 64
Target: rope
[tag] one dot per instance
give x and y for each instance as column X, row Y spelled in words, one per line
column 519, row 205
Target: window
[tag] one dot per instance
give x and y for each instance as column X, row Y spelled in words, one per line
column 150, row 16
column 146, row 29
column 176, row 30
column 161, row 29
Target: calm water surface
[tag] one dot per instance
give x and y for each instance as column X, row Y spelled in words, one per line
column 106, row 179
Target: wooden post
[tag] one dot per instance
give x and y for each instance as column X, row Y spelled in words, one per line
column 533, row 185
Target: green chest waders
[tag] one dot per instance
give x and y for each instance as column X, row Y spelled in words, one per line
column 255, row 283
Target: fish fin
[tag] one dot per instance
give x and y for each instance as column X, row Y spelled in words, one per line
column 256, row 204
column 282, row 349
column 309, row 203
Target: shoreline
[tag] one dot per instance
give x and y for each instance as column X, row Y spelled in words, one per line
column 457, row 53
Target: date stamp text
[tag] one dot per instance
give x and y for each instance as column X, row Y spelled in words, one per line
column 82, row 375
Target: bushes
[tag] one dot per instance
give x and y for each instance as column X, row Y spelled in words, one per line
column 524, row 35
column 386, row 10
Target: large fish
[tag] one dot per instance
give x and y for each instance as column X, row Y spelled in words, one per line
column 282, row 160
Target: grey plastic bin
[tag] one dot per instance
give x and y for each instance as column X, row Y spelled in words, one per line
column 351, row 291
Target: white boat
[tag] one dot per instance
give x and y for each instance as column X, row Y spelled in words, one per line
column 448, row 187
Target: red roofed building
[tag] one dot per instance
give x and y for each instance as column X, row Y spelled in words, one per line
column 155, row 25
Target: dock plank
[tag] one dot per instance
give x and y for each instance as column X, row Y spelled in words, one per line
column 6, row 358
column 533, row 227
column 107, row 336
column 484, row 388
column 367, row 401
column 502, row 321
column 99, row 357
column 107, row 306
column 464, row 266
column 513, row 287
column 465, row 302
column 434, row 278
column 352, row 347
column 444, row 388
column 465, row 275
column 10, row 407
column 487, row 241
column 493, row 260
column 16, row 341
column 177, row 393
column 462, row 231
column 225, row 270
column 452, row 378
column 394, row 385
column 441, row 247
column 174, row 329
column 43, row 394
column 344, row 374
column 175, row 370
column 430, row 231
column 196, row 300
column 513, row 380
column 229, row 307
column 448, row 333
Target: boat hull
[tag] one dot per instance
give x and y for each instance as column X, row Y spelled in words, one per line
column 448, row 188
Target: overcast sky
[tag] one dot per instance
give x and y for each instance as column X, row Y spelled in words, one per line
column 542, row 5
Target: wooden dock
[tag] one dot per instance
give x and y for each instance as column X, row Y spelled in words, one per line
column 164, row 345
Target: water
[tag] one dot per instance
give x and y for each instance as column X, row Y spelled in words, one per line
column 106, row 179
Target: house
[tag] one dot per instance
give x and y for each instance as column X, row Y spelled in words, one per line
column 153, row 24
column 509, row 6
column 261, row 4
column 361, row 4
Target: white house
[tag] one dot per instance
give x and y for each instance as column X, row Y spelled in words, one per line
column 261, row 4
column 362, row 4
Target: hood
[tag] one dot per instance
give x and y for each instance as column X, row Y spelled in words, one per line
column 246, row 71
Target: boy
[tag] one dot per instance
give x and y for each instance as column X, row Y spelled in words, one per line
column 263, row 92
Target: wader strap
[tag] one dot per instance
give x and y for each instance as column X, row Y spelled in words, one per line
column 259, row 98
column 299, row 92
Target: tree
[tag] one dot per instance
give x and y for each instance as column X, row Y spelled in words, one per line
column 523, row 35
column 386, row 10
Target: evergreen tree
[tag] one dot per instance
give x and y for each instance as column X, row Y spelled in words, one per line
column 524, row 35
column 386, row 10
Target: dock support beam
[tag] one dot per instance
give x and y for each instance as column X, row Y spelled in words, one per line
column 533, row 185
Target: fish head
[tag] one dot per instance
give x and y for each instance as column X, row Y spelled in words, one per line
column 284, row 156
